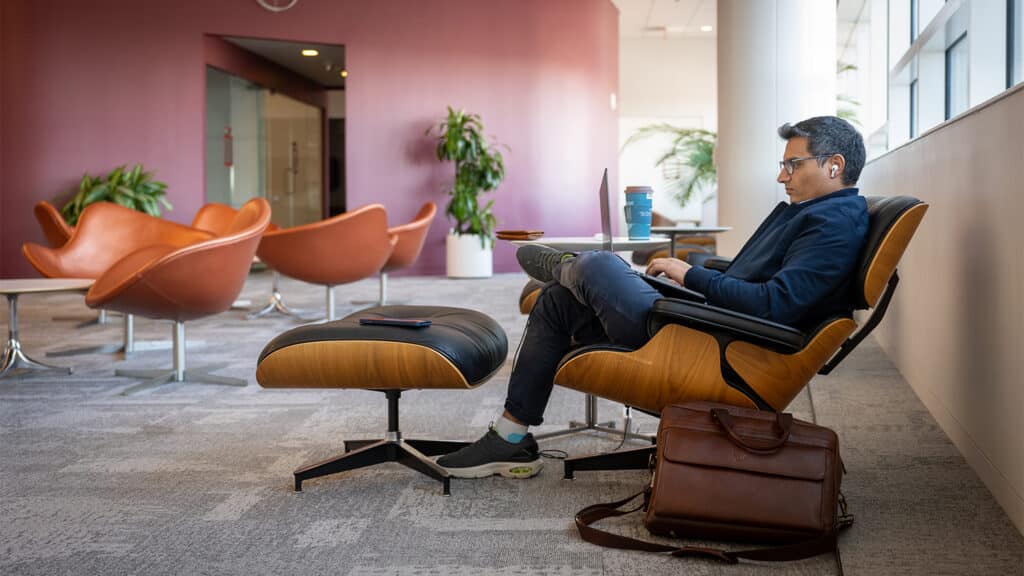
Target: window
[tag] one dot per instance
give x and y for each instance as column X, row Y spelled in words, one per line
column 915, row 11
column 1014, row 48
column 913, row 108
column 956, row 77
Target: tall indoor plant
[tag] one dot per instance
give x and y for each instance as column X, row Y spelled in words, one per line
column 134, row 188
column 688, row 164
column 479, row 168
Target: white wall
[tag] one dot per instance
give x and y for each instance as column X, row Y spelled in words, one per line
column 669, row 80
column 956, row 324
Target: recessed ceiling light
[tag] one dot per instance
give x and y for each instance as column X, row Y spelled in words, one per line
column 706, row 28
column 343, row 73
column 310, row 52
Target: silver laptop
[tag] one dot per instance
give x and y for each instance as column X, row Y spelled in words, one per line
column 664, row 285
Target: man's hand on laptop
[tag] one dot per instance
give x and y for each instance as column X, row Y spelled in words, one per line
column 672, row 268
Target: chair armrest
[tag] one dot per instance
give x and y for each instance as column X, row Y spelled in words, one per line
column 707, row 318
column 716, row 263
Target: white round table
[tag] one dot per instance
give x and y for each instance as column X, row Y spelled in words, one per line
column 581, row 243
column 13, row 357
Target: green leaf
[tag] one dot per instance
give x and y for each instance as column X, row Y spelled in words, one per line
column 132, row 188
column 688, row 164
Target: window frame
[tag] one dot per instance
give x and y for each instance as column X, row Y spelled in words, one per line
column 1013, row 42
column 913, row 108
column 949, row 86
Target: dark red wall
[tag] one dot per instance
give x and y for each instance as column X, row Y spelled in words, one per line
column 90, row 85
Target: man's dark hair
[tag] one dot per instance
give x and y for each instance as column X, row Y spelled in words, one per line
column 830, row 135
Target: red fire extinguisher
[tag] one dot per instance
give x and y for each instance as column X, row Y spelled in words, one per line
column 229, row 151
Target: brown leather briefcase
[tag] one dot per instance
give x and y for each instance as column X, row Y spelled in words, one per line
column 737, row 474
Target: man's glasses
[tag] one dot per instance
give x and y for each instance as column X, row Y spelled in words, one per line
column 790, row 164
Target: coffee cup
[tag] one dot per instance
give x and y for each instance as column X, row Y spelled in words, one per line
column 638, row 211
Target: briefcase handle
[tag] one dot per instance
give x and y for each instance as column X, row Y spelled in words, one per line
column 783, row 426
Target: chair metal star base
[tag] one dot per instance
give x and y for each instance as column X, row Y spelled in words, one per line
column 634, row 459
column 102, row 318
column 201, row 375
column 13, row 357
column 178, row 373
column 128, row 346
column 382, row 298
column 412, row 453
column 276, row 304
column 590, row 424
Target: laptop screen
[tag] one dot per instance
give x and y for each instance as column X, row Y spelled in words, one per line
column 606, row 214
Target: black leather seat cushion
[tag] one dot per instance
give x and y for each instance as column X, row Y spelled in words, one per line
column 473, row 342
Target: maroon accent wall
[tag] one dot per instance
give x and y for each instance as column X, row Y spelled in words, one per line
column 90, row 85
column 3, row 55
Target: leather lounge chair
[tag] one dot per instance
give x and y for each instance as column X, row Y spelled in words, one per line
column 700, row 352
column 106, row 232
column 57, row 232
column 410, row 239
column 55, row 228
column 214, row 218
column 182, row 283
column 342, row 249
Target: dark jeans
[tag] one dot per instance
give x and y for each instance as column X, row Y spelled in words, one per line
column 595, row 298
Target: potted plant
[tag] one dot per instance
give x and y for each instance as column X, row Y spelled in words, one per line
column 133, row 189
column 479, row 168
column 688, row 165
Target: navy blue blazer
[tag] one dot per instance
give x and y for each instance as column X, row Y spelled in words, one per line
column 797, row 267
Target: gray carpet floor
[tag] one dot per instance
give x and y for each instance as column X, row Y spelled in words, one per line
column 196, row 479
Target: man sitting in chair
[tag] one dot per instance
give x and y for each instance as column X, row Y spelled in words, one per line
column 796, row 270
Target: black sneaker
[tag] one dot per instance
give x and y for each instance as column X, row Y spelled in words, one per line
column 492, row 454
column 539, row 261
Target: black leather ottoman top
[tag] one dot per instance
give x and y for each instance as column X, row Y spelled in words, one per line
column 461, row 348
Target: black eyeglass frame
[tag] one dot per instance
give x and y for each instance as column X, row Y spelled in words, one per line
column 790, row 164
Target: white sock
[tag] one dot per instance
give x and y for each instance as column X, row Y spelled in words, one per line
column 512, row 432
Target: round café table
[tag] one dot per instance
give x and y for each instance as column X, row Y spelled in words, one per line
column 13, row 357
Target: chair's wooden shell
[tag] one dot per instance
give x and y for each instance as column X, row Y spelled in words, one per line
column 528, row 296
column 681, row 364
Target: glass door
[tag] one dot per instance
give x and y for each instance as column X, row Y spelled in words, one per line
column 234, row 139
column 263, row 144
column 293, row 140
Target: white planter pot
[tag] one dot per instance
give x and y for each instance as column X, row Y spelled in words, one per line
column 467, row 258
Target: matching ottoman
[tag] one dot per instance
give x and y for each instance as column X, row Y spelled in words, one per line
column 460, row 349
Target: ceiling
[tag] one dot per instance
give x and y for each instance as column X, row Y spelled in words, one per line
column 666, row 18
column 323, row 69
column 637, row 19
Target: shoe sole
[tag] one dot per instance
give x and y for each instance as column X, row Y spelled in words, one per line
column 518, row 470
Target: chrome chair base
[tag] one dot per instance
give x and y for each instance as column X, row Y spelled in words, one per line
column 14, row 359
column 100, row 319
column 201, row 375
column 590, row 424
column 178, row 373
column 126, row 348
column 276, row 304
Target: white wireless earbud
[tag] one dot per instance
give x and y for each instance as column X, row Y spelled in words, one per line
column 834, row 170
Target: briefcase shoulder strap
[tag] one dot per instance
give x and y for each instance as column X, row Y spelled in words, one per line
column 591, row 514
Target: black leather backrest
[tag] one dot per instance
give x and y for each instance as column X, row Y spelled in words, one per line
column 889, row 232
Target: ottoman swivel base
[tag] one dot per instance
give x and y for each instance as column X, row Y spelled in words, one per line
column 458, row 349
column 361, row 453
